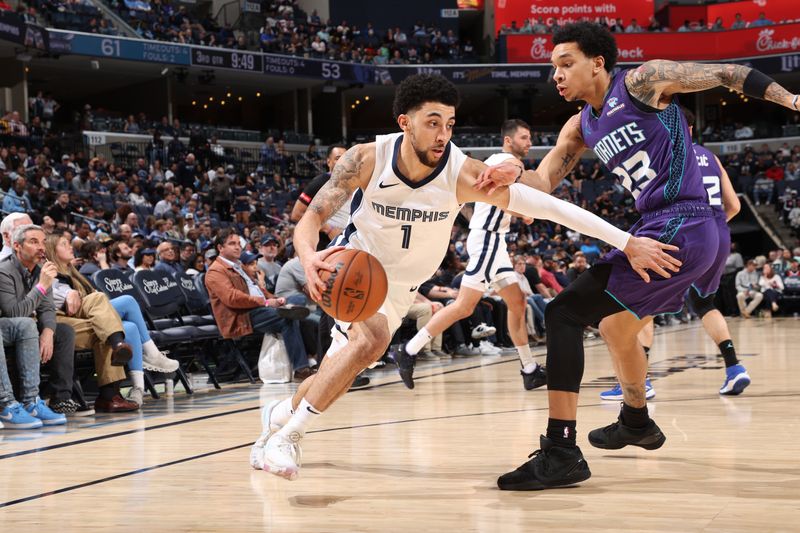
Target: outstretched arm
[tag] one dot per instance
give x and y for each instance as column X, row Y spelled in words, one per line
column 654, row 82
column 353, row 170
column 643, row 253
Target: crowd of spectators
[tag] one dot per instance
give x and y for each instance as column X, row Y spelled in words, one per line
column 632, row 25
column 169, row 217
column 285, row 28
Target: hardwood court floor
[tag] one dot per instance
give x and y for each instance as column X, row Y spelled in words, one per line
column 389, row 459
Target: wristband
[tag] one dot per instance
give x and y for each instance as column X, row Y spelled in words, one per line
column 519, row 176
column 41, row 289
column 756, row 83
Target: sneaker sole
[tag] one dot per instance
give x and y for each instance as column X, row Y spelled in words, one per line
column 739, row 384
column 538, row 485
column 289, row 474
column 55, row 422
column 160, row 370
column 408, row 378
column 648, row 395
column 649, row 446
column 483, row 335
column 610, row 398
column 88, row 412
column 28, row 425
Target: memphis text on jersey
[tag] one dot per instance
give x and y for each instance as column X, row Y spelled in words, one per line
column 409, row 215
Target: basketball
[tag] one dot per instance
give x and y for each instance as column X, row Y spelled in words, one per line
column 356, row 289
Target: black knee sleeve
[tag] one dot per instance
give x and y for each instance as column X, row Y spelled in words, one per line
column 582, row 303
column 701, row 304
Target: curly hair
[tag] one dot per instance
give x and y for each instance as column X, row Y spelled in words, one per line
column 421, row 88
column 593, row 40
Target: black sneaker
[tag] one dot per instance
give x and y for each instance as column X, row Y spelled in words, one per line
column 293, row 312
column 65, row 407
column 405, row 364
column 535, row 379
column 552, row 466
column 360, row 381
column 618, row 435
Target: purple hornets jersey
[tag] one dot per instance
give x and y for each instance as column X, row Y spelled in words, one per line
column 712, row 175
column 651, row 152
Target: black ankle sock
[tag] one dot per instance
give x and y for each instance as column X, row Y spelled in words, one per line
column 728, row 353
column 634, row 417
column 647, row 352
column 115, row 338
column 561, row 432
column 107, row 392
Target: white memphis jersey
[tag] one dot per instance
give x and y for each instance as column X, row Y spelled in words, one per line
column 405, row 225
column 486, row 216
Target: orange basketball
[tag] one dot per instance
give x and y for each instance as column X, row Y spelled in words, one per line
column 357, row 289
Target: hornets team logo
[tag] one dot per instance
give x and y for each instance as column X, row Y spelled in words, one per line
column 614, row 105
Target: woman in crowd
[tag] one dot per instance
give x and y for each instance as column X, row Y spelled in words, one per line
column 144, row 259
column 75, row 297
column 771, row 287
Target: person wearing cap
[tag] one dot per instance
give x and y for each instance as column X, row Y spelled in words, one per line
column 269, row 251
column 144, row 259
column 241, row 307
column 189, row 224
column 209, row 256
column 168, row 259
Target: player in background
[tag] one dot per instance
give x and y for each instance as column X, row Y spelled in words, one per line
column 724, row 200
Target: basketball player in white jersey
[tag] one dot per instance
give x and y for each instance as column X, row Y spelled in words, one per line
column 489, row 264
column 409, row 187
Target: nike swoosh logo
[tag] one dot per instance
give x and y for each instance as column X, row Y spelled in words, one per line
column 310, row 410
column 382, row 186
column 412, row 289
column 7, row 417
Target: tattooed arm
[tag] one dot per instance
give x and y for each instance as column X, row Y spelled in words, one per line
column 353, row 170
column 656, row 81
column 555, row 166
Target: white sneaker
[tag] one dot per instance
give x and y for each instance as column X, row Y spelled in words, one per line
column 159, row 363
column 482, row 331
column 136, row 395
column 257, row 450
column 487, row 348
column 282, row 455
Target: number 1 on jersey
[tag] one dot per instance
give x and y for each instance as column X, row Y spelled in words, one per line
column 406, row 235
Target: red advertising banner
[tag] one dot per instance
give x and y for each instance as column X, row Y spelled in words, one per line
column 774, row 10
column 700, row 46
column 563, row 11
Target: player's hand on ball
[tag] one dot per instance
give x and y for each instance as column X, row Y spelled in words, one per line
column 497, row 176
column 647, row 254
column 312, row 265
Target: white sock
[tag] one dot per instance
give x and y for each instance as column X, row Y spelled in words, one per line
column 301, row 420
column 281, row 413
column 137, row 378
column 150, row 349
column 418, row 342
column 525, row 356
